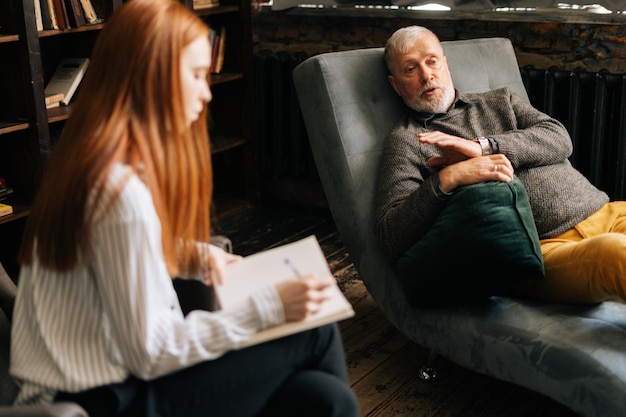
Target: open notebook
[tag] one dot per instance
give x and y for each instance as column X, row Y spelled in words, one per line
column 273, row 265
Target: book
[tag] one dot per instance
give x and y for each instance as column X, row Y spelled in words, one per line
column 67, row 77
column 269, row 267
column 75, row 14
column 61, row 14
column 89, row 12
column 5, row 209
column 215, row 40
column 205, row 4
column 47, row 13
column 38, row 19
column 5, row 190
column 53, row 99
column 221, row 49
column 53, row 14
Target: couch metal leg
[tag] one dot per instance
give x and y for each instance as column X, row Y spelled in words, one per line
column 427, row 372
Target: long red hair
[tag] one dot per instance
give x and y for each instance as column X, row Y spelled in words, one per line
column 129, row 109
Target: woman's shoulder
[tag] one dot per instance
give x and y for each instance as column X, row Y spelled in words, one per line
column 123, row 177
column 125, row 194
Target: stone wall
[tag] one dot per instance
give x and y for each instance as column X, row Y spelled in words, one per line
column 565, row 44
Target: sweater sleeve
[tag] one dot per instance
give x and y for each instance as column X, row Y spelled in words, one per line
column 407, row 201
column 532, row 138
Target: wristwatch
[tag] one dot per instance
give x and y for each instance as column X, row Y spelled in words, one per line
column 485, row 145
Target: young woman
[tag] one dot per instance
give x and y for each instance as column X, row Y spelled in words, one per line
column 123, row 207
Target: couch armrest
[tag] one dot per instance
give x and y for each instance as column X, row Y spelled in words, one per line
column 62, row 409
column 222, row 242
column 7, row 292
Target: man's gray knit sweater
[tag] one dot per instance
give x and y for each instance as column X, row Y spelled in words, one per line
column 537, row 145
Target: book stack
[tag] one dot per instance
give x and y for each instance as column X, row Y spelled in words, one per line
column 64, row 14
column 205, row 4
column 218, row 45
column 66, row 79
column 5, row 208
column 54, row 99
column 4, row 190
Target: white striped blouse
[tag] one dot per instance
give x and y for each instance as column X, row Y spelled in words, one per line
column 118, row 314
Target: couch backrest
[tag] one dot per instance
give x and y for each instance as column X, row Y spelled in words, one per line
column 349, row 108
column 8, row 388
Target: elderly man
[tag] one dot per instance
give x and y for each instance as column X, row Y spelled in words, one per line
column 449, row 141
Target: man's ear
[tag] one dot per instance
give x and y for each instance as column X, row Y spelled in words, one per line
column 392, row 81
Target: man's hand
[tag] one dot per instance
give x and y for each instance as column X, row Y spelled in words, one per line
column 463, row 161
column 475, row 170
column 454, row 148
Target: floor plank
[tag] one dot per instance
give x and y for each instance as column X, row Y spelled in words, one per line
column 392, row 374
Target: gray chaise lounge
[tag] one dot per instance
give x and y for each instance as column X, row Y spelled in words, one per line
column 574, row 354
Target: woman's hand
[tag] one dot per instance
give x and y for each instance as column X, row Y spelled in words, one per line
column 218, row 259
column 304, row 296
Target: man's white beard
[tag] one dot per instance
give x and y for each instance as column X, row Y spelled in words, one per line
column 438, row 106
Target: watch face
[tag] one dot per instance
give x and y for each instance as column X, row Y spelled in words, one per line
column 484, row 144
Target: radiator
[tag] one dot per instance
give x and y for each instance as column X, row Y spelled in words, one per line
column 592, row 106
column 283, row 145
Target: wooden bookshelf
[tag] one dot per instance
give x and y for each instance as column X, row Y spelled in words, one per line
column 28, row 130
column 231, row 115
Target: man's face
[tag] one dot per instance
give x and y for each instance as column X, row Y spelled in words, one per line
column 421, row 77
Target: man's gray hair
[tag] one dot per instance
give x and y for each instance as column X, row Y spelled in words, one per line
column 403, row 40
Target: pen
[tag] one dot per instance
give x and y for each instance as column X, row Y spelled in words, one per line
column 293, row 268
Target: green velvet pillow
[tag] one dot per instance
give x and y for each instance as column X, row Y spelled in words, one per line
column 483, row 242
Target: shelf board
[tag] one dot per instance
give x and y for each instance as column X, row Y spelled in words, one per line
column 224, row 143
column 57, row 114
column 224, row 77
column 54, row 32
column 9, row 38
column 8, row 127
column 19, row 211
column 208, row 11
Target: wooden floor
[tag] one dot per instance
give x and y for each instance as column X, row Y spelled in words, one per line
column 382, row 364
